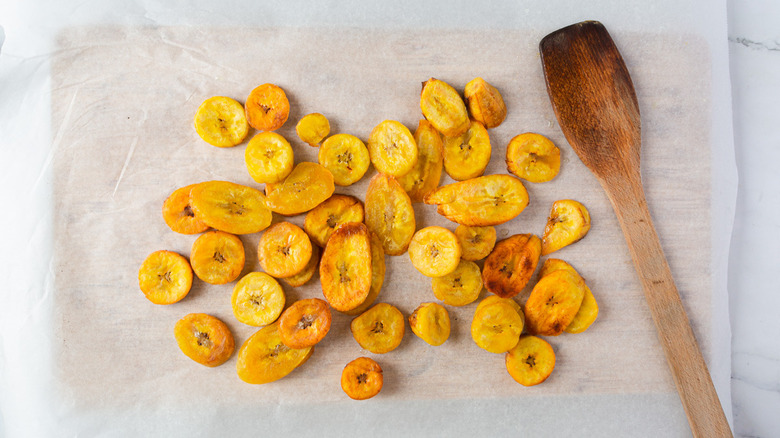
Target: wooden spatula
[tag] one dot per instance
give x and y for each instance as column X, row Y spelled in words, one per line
column 595, row 103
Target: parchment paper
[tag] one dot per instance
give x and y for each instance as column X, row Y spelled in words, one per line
column 122, row 103
column 128, row 142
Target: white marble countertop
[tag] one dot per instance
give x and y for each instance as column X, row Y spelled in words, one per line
column 754, row 294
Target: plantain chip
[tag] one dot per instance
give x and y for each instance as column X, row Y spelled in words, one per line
column 482, row 201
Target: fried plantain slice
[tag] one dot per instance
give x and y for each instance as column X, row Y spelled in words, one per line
column 389, row 214
column 377, row 275
column 304, row 188
column 589, row 309
column 392, row 148
column 496, row 326
column 268, row 157
column 346, row 157
column 533, row 157
column 434, row 251
column 531, row 361
column 475, row 242
column 178, row 215
column 267, row 108
column 308, row 271
column 284, row 250
column 165, row 277
column 305, row 323
column 485, row 103
column 217, row 257
column 362, row 378
column 426, row 174
column 345, row 268
column 553, row 303
column 230, row 207
column 586, row 315
column 482, row 201
column 379, row 329
column 263, row 358
column 461, row 286
column 511, row 264
column 490, row 299
column 569, row 222
column 431, row 323
column 322, row 220
column 204, row 339
column 442, row 106
column 257, row 299
column 220, row 121
column 312, row 128
column 551, row 265
column 467, row 155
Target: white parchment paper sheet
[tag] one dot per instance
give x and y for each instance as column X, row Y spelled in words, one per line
column 101, row 151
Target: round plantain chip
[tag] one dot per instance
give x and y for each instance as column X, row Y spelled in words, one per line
column 217, row 257
column 220, row 121
column 467, row 155
column 553, row 303
column 257, row 299
column 434, row 251
column 431, row 323
column 511, row 264
column 362, row 378
column 284, row 250
column 496, row 326
column 461, row 286
column 379, row 329
column 267, row 108
column 589, row 309
column 204, row 339
column 305, row 323
column 533, row 157
column 476, row 243
column 392, row 148
column 346, row 157
column 268, row 157
column 165, row 277
column 321, row 221
column 568, row 223
column 531, row 361
column 312, row 128
column 442, row 105
column 485, row 103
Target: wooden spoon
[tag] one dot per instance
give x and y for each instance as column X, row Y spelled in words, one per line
column 595, row 103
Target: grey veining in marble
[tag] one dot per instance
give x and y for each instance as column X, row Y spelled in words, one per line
column 773, row 46
column 754, row 293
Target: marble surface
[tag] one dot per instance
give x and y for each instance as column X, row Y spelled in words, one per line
column 754, row 293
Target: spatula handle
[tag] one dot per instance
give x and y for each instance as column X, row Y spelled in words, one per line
column 691, row 376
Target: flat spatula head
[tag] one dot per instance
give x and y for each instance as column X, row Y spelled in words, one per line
column 593, row 97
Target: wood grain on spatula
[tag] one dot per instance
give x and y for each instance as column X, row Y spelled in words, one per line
column 594, row 100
